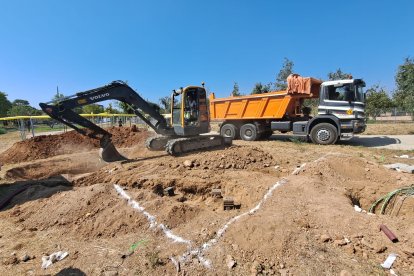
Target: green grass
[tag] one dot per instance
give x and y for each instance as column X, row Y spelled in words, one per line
column 3, row 131
column 45, row 128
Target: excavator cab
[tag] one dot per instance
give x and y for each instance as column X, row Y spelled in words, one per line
column 189, row 114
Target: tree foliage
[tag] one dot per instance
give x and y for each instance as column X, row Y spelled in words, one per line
column 287, row 69
column 165, row 103
column 92, row 109
column 236, row 91
column 125, row 108
column 58, row 97
column 22, row 108
column 259, row 88
column 111, row 110
column 377, row 101
column 5, row 104
column 338, row 75
column 404, row 95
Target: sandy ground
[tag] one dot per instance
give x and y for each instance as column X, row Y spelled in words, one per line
column 296, row 214
column 390, row 129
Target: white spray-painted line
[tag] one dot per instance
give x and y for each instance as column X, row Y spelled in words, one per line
column 299, row 169
column 200, row 251
column 151, row 219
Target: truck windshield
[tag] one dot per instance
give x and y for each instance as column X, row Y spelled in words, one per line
column 344, row 92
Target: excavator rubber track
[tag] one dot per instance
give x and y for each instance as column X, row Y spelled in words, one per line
column 158, row 143
column 181, row 146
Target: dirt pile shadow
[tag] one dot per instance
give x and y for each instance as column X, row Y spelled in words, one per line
column 20, row 192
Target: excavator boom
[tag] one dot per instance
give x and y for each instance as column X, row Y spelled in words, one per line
column 62, row 111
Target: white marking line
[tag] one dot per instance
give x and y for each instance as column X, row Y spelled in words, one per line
column 199, row 252
column 153, row 222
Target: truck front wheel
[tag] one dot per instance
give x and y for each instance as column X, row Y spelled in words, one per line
column 248, row 132
column 324, row 134
column 229, row 131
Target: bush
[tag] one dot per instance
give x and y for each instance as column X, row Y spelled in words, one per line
column 3, row 131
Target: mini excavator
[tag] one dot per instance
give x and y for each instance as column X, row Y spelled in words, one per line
column 178, row 135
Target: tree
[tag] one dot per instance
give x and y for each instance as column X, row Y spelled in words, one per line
column 22, row 108
column 111, row 110
column 404, row 79
column 92, row 109
column 259, row 88
column 125, row 108
column 20, row 102
column 338, row 75
column 377, row 100
column 165, row 103
column 5, row 104
column 58, row 97
column 235, row 91
column 281, row 79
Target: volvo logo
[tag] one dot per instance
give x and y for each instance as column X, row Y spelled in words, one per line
column 99, row 96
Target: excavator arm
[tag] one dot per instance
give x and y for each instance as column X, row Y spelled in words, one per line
column 117, row 90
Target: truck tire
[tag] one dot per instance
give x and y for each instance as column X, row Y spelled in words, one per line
column 229, row 131
column 324, row 134
column 248, row 132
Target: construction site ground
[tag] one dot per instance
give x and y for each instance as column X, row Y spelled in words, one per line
column 295, row 214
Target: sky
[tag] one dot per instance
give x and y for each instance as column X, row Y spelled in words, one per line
column 158, row 46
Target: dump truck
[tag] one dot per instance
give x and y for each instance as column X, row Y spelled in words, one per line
column 341, row 111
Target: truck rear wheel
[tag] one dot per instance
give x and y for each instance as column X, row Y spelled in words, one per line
column 229, row 131
column 248, row 132
column 324, row 134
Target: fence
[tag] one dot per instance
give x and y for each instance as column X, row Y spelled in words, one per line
column 395, row 114
column 30, row 126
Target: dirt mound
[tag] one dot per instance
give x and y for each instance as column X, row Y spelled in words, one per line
column 46, row 146
column 363, row 181
column 195, row 174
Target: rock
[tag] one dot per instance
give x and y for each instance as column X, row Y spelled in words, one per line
column 25, row 258
column 380, row 249
column 345, row 273
column 341, row 242
column 325, row 238
column 10, row 260
column 350, row 249
column 358, row 236
column 230, row 262
column 367, row 169
column 188, row 164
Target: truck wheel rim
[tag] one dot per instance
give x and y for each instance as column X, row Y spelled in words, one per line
column 227, row 132
column 323, row 135
column 248, row 133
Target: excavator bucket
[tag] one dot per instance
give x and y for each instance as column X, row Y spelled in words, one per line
column 110, row 154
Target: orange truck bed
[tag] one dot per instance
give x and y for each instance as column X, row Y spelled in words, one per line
column 272, row 105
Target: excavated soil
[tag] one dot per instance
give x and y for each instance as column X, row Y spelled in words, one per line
column 307, row 226
column 41, row 147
